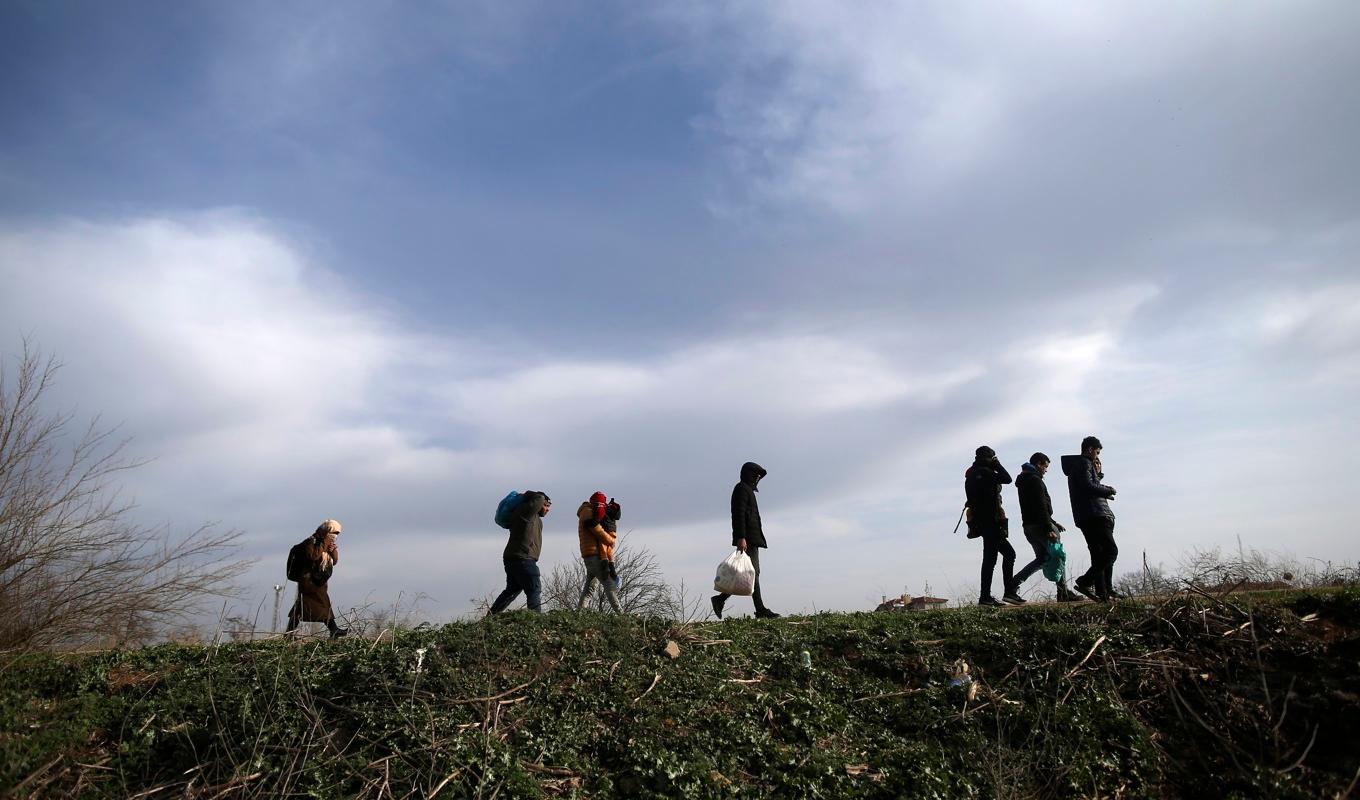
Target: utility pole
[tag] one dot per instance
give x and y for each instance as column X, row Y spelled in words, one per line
column 278, row 594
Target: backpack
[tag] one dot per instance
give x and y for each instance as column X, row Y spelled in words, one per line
column 297, row 561
column 509, row 504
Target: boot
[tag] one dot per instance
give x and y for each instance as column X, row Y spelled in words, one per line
column 1083, row 585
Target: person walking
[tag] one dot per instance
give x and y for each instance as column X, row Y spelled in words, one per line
column 747, row 534
column 521, row 553
column 311, row 563
column 594, row 521
column 1036, row 515
column 1091, row 513
column 982, row 484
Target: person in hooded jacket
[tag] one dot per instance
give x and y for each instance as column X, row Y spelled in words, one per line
column 597, row 536
column 521, row 553
column 1036, row 514
column 1091, row 513
column 982, row 484
column 747, row 535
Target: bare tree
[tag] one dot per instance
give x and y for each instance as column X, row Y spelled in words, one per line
column 1150, row 580
column 75, row 569
column 643, row 588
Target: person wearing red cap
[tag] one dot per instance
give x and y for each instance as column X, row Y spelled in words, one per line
column 597, row 533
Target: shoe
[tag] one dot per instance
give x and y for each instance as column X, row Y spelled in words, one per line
column 1116, row 595
column 765, row 613
column 1068, row 596
column 717, row 602
column 1085, row 588
column 1013, row 598
column 339, row 633
column 989, row 601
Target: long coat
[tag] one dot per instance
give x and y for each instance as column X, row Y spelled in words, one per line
column 310, row 563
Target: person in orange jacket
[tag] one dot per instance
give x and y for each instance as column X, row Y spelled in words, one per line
column 597, row 533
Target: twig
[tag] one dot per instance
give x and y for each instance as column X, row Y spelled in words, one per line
column 743, row 680
column 39, row 771
column 888, row 694
column 655, row 681
column 445, row 782
column 556, row 772
column 1284, row 712
column 1306, row 750
column 494, row 696
column 156, row 790
column 1351, row 788
column 1218, row 600
column 1090, row 653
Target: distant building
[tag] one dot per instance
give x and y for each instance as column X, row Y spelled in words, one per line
column 909, row 603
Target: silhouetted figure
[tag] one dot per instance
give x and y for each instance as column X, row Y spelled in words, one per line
column 747, row 534
column 1036, row 514
column 982, row 484
column 1091, row 513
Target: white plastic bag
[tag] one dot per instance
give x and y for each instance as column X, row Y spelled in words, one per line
column 736, row 575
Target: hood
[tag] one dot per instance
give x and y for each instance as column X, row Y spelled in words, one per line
column 585, row 512
column 1028, row 467
column 751, row 473
column 1074, row 464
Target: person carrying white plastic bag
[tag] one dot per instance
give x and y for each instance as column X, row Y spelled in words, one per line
column 747, row 536
column 736, row 575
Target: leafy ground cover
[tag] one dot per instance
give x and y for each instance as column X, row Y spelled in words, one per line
column 1173, row 697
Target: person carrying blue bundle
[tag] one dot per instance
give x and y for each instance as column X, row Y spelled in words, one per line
column 1042, row 531
column 524, row 519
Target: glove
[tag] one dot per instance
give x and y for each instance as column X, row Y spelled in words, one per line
column 613, row 573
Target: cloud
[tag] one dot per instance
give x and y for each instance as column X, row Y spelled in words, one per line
column 275, row 394
column 894, row 105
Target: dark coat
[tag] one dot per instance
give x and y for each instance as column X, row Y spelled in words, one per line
column 745, row 509
column 526, row 528
column 313, row 602
column 1036, row 507
column 982, row 484
column 1089, row 496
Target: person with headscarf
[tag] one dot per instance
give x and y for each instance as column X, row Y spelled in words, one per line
column 311, row 563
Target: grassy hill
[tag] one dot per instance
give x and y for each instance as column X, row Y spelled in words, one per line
column 1176, row 697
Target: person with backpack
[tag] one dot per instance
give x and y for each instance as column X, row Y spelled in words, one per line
column 982, row 484
column 310, row 564
column 747, row 534
column 524, row 519
column 1036, row 514
column 597, row 530
column 1091, row 513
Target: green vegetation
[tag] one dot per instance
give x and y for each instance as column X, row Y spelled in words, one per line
column 1184, row 696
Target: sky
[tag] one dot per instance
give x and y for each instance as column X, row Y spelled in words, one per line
column 385, row 262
